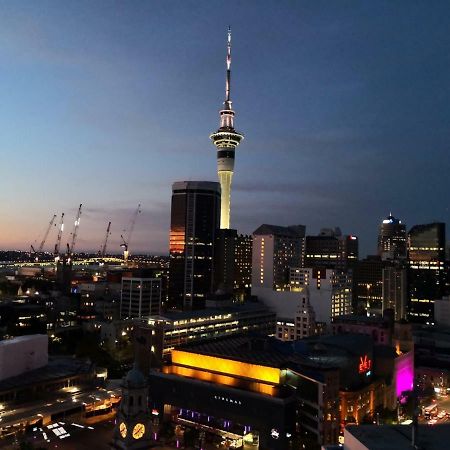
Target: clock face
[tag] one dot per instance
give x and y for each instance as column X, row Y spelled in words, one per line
column 138, row 430
column 123, row 430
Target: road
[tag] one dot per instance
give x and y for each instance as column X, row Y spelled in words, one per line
column 64, row 401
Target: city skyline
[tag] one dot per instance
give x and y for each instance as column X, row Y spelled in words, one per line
column 96, row 112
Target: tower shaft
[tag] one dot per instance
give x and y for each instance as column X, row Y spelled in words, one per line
column 226, row 139
column 225, row 178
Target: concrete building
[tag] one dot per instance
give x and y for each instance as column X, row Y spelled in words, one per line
column 226, row 139
column 195, row 215
column 395, row 291
column 280, row 391
column 275, row 250
column 303, row 325
column 381, row 330
column 331, row 250
column 225, row 261
column 23, row 354
column 329, row 295
column 243, row 266
column 140, row 297
column 156, row 336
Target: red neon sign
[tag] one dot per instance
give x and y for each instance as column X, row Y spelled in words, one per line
column 365, row 364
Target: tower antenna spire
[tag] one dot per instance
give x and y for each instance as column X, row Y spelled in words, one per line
column 228, row 80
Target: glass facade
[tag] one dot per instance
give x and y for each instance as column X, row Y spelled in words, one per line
column 195, row 217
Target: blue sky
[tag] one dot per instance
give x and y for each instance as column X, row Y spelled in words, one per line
column 345, row 108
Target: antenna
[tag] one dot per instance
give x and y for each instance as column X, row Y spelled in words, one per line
column 228, row 80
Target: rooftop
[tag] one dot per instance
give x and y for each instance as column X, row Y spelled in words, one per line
column 398, row 437
column 56, row 369
column 294, row 231
column 207, row 312
column 320, row 352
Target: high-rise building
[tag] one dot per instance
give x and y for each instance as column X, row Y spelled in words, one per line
column 392, row 239
column 226, row 139
column 368, row 286
column 195, row 216
column 275, row 250
column 140, row 297
column 395, row 291
column 243, row 265
column 330, row 250
column 224, row 263
column 426, row 275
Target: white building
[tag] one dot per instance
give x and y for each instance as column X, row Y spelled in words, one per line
column 22, row 354
column 329, row 295
column 140, row 297
column 303, row 325
column 275, row 249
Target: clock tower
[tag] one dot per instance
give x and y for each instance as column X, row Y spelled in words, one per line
column 132, row 430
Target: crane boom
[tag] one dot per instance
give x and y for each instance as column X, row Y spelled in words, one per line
column 103, row 249
column 41, row 245
column 58, row 239
column 126, row 243
column 133, row 223
column 76, row 225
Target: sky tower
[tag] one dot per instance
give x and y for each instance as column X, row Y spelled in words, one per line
column 226, row 139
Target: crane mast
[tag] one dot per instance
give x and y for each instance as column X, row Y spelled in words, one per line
column 103, row 249
column 126, row 243
column 44, row 239
column 76, row 225
column 58, row 239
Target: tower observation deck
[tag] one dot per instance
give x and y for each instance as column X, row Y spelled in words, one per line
column 226, row 139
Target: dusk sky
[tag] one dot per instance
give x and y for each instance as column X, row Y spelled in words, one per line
column 345, row 108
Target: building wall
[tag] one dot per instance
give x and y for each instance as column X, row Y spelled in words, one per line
column 442, row 311
column 195, row 217
column 22, row 354
column 426, row 274
column 262, row 262
column 140, row 297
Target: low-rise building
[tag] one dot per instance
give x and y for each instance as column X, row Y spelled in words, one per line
column 240, row 385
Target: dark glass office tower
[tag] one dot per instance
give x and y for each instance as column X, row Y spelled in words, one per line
column 426, row 274
column 195, row 218
column 392, row 239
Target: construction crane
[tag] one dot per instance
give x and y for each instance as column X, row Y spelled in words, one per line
column 44, row 239
column 105, row 242
column 76, row 225
column 126, row 243
column 58, row 239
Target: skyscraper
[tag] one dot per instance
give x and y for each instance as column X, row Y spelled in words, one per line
column 392, row 239
column 226, row 139
column 275, row 250
column 195, row 216
column 395, row 291
column 331, row 250
column 426, row 274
